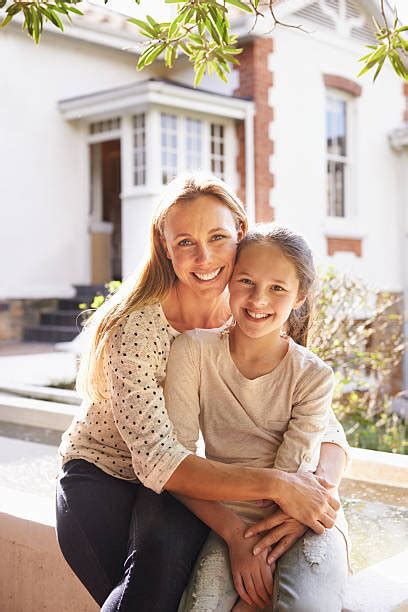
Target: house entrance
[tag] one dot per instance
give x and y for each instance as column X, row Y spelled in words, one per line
column 106, row 211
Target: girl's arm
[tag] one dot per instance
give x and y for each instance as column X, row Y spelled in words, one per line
column 299, row 495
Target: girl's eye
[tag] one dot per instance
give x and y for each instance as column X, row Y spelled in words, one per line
column 277, row 288
column 246, row 281
column 185, row 242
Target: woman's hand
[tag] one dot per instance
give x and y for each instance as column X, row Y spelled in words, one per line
column 251, row 574
column 283, row 532
column 307, row 498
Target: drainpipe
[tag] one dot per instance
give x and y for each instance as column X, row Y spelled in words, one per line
column 250, row 164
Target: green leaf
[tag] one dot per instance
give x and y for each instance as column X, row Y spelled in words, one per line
column 3, row 3
column 147, row 30
column 199, row 74
column 380, row 65
column 241, row 5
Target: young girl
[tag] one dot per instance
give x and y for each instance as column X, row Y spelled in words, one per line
column 260, row 399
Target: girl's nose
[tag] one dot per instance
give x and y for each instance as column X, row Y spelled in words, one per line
column 259, row 299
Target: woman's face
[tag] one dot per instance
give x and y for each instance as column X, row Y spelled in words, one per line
column 264, row 289
column 200, row 237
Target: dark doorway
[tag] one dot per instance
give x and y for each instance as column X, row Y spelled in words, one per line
column 111, row 203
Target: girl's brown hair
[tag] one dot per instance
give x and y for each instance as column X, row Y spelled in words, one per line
column 296, row 249
column 153, row 281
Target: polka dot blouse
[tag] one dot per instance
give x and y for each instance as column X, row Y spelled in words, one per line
column 130, row 435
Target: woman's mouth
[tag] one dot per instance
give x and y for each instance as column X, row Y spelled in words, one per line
column 256, row 316
column 209, row 276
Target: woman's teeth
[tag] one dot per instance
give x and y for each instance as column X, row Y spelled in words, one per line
column 207, row 277
column 257, row 315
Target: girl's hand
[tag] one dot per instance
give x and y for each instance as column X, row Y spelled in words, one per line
column 283, row 532
column 307, row 498
column 251, row 574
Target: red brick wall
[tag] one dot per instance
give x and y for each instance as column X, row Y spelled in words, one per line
column 254, row 81
column 343, row 84
column 348, row 245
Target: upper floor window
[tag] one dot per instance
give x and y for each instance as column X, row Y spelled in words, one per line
column 337, row 146
column 139, row 149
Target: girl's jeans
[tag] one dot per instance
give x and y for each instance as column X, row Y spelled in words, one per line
column 310, row 577
column 131, row 548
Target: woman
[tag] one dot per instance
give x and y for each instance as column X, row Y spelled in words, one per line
column 134, row 549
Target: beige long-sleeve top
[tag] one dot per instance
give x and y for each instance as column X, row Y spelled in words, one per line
column 277, row 420
column 129, row 435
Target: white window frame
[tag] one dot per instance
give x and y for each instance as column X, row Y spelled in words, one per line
column 348, row 159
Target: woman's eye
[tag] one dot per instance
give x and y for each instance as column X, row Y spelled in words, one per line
column 217, row 237
column 185, row 242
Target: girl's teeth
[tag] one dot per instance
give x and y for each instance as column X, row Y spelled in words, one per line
column 257, row 315
column 207, row 276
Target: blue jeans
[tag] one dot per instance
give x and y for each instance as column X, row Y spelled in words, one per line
column 310, row 577
column 131, row 548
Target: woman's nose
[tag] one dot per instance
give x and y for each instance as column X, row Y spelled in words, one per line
column 202, row 254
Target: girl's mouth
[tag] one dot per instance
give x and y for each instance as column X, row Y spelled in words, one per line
column 209, row 276
column 256, row 316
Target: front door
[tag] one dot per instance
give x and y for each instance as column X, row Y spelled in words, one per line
column 106, row 212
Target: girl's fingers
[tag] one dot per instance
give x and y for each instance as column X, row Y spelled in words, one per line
column 266, row 571
column 269, row 539
column 283, row 545
column 274, row 520
column 251, row 589
column 239, row 587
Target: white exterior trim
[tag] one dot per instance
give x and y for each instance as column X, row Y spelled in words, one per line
column 100, row 104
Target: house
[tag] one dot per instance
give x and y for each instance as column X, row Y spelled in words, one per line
column 87, row 143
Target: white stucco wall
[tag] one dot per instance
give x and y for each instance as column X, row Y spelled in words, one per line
column 299, row 198
column 43, row 164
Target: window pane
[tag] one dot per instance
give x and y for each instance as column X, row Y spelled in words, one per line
column 336, row 122
column 139, row 149
column 194, row 144
column 336, row 188
column 217, row 149
column 168, row 146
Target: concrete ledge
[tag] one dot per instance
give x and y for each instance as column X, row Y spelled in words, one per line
column 378, row 467
column 63, row 396
column 33, row 573
column 36, row 413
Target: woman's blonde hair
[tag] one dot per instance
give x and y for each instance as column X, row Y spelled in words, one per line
column 151, row 283
column 296, row 249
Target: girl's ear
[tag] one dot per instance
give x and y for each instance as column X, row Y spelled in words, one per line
column 299, row 302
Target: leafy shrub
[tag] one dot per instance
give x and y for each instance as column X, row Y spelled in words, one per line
column 359, row 333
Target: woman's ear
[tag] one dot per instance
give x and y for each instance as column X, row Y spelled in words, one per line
column 240, row 232
column 164, row 245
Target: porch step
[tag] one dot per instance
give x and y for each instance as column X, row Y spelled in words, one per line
column 64, row 323
column 50, row 333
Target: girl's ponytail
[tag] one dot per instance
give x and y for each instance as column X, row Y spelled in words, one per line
column 300, row 321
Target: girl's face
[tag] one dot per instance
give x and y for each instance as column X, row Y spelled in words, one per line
column 264, row 289
column 200, row 237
